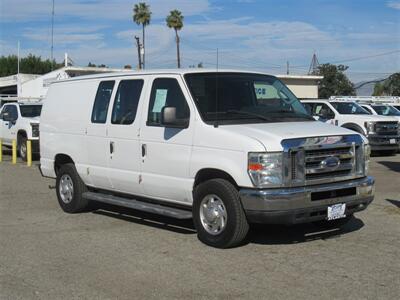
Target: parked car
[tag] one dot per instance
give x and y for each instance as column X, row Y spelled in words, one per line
column 383, row 132
column 225, row 148
column 20, row 121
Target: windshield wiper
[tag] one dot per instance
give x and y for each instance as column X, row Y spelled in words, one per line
column 250, row 114
column 293, row 114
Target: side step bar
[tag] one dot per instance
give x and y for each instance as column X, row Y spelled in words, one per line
column 139, row 205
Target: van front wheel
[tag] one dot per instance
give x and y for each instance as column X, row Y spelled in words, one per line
column 22, row 148
column 218, row 214
column 69, row 188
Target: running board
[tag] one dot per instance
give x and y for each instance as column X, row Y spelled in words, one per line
column 139, row 205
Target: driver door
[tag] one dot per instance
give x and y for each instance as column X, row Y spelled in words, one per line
column 165, row 152
column 8, row 129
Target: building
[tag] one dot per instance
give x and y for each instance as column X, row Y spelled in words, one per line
column 303, row 86
column 34, row 87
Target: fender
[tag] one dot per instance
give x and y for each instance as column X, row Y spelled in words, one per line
column 354, row 127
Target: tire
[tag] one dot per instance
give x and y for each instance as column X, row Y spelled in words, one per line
column 230, row 227
column 325, row 224
column 22, row 148
column 69, row 189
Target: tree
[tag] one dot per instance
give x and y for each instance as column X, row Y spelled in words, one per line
column 142, row 16
column 30, row 64
column 96, row 66
column 175, row 21
column 388, row 87
column 379, row 89
column 335, row 82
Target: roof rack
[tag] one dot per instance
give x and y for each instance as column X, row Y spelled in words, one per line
column 367, row 99
column 4, row 98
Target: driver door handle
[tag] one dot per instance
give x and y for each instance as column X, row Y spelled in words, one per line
column 144, row 150
column 111, row 147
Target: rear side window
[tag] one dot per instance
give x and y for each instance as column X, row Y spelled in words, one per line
column 126, row 102
column 166, row 92
column 100, row 107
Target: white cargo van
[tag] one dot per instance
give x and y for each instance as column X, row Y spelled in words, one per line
column 227, row 148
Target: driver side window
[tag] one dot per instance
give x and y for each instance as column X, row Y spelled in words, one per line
column 166, row 92
column 323, row 110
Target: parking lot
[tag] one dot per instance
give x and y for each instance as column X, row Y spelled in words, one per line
column 112, row 253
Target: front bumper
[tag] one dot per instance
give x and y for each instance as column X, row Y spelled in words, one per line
column 383, row 142
column 35, row 146
column 305, row 204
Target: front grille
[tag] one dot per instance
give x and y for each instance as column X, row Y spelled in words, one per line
column 323, row 163
column 386, row 128
column 35, row 130
column 320, row 160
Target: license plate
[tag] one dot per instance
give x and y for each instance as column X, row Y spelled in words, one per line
column 392, row 141
column 336, row 211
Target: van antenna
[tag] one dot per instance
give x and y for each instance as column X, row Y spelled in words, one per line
column 216, row 94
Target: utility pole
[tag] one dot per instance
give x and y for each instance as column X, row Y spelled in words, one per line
column 18, row 76
column 52, row 36
column 139, row 54
column 287, row 67
column 313, row 70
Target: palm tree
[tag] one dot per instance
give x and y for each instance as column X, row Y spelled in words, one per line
column 142, row 16
column 175, row 21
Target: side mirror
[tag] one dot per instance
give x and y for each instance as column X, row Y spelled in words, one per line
column 8, row 118
column 169, row 119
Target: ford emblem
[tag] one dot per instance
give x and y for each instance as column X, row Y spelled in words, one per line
column 330, row 162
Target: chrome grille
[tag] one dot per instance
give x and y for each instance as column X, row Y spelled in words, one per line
column 386, row 128
column 323, row 159
column 35, row 130
column 317, row 167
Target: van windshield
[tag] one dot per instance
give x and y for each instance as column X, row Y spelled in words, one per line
column 237, row 98
column 30, row 111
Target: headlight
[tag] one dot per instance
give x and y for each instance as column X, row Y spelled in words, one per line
column 367, row 155
column 265, row 169
column 370, row 126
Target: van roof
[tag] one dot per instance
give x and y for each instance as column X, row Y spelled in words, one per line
column 156, row 72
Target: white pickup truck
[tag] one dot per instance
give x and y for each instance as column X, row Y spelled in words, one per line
column 225, row 148
column 383, row 132
column 20, row 121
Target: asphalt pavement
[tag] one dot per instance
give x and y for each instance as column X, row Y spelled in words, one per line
column 114, row 253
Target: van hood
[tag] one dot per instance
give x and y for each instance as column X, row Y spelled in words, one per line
column 377, row 118
column 272, row 134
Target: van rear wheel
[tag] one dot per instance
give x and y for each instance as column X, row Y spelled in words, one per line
column 218, row 214
column 69, row 188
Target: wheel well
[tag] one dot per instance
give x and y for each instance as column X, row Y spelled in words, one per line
column 353, row 127
column 61, row 159
column 21, row 133
column 207, row 174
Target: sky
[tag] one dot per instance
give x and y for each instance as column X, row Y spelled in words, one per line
column 258, row 35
